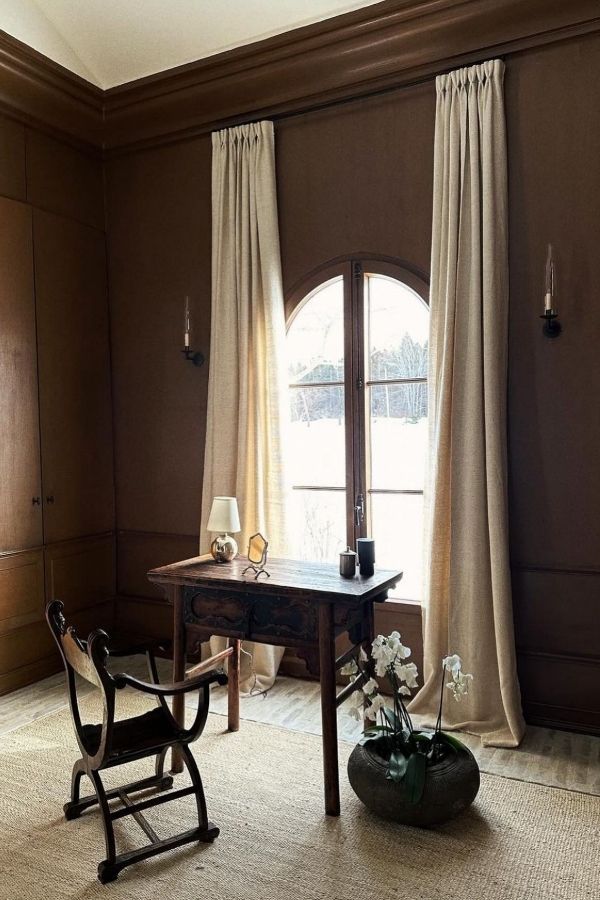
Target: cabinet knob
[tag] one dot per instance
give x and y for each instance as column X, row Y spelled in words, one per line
column 50, row 499
column 36, row 501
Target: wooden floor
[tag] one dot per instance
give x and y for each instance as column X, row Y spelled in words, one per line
column 546, row 756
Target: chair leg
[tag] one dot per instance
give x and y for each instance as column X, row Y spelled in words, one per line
column 73, row 808
column 166, row 781
column 107, row 871
column 208, row 830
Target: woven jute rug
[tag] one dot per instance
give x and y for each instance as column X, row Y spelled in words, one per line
column 264, row 790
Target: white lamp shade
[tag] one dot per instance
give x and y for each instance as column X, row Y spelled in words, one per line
column 224, row 515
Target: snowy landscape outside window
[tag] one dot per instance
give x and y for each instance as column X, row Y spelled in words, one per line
column 357, row 353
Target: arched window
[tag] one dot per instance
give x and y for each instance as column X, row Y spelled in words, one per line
column 357, row 350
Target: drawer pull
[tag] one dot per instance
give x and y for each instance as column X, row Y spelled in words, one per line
column 50, row 499
column 36, row 501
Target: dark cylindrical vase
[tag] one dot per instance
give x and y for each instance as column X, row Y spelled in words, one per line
column 451, row 785
column 365, row 548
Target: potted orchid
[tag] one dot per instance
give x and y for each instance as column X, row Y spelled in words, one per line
column 418, row 777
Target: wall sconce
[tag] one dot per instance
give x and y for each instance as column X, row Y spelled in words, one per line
column 194, row 356
column 551, row 327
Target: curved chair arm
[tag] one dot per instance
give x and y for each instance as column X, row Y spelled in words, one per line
column 201, row 684
column 121, row 680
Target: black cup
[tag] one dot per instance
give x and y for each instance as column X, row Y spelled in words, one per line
column 365, row 547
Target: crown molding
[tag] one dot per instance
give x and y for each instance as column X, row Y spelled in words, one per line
column 375, row 48
column 39, row 92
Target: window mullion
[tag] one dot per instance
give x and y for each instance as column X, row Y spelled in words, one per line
column 358, row 393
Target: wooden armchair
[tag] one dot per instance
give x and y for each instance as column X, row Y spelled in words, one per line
column 114, row 743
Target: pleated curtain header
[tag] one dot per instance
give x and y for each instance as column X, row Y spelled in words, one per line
column 243, row 134
column 472, row 76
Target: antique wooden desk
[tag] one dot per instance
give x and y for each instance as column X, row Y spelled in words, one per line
column 302, row 605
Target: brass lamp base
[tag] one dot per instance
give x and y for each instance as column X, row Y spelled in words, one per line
column 224, row 548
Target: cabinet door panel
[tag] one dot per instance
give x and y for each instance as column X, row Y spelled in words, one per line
column 21, row 589
column 81, row 573
column 20, row 518
column 74, row 367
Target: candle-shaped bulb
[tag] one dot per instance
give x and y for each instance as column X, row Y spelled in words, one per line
column 186, row 324
column 549, row 294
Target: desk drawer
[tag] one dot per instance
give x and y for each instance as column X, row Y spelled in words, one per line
column 283, row 618
column 225, row 611
column 249, row 616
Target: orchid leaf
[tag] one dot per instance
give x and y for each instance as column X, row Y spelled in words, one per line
column 375, row 729
column 397, row 767
column 393, row 720
column 414, row 779
column 422, row 737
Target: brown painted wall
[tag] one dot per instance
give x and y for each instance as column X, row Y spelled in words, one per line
column 357, row 178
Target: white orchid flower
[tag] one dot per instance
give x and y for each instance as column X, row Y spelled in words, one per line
column 452, row 663
column 362, row 655
column 357, row 703
column 350, row 668
column 407, row 672
column 460, row 685
column 381, row 667
column 371, row 687
column 404, row 691
column 376, row 704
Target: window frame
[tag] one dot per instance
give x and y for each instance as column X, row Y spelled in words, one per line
column 356, row 385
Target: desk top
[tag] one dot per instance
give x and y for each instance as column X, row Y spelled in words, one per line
column 287, row 576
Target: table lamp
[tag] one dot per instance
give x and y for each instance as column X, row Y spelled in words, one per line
column 224, row 517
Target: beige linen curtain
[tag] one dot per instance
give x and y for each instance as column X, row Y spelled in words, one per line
column 468, row 607
column 247, row 399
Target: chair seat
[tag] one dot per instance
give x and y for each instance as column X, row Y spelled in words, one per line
column 152, row 729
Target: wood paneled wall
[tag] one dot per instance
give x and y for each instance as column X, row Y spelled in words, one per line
column 357, row 178
column 554, row 429
column 56, row 445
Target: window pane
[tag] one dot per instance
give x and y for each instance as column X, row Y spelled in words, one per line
column 318, row 525
column 315, row 341
column 397, row 330
column 317, row 454
column 398, row 436
column 396, row 526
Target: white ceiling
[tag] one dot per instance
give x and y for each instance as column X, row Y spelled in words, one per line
column 110, row 42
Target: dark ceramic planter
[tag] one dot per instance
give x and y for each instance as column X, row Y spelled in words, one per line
column 451, row 785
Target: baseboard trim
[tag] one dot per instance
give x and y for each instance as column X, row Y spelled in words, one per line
column 562, row 718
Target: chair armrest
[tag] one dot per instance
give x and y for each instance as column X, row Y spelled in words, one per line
column 122, row 680
column 143, row 647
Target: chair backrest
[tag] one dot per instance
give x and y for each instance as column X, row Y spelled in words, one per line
column 88, row 659
column 74, row 651
column 75, row 655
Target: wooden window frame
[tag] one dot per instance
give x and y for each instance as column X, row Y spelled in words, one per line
column 352, row 270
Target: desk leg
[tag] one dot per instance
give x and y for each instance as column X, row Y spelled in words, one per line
column 329, row 709
column 233, row 687
column 178, row 705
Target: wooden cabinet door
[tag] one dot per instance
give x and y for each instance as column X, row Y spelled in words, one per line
column 20, row 478
column 74, row 375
